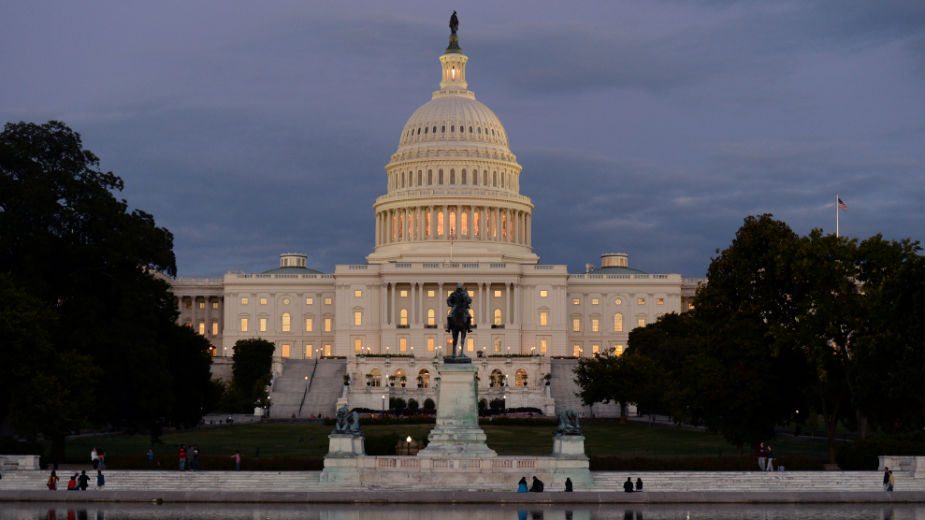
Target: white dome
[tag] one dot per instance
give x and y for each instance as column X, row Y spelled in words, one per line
column 453, row 118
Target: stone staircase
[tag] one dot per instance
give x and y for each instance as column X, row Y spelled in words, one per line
column 655, row 481
column 755, row 481
column 175, row 480
column 322, row 378
column 562, row 387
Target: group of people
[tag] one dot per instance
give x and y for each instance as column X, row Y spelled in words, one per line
column 188, row 459
column 888, row 480
column 765, row 457
column 77, row 482
column 628, row 485
column 98, row 459
column 537, row 485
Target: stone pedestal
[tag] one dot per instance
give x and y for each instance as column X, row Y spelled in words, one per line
column 346, row 445
column 569, row 446
column 457, row 433
column 341, row 463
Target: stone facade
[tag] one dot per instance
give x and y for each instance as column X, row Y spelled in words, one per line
column 452, row 213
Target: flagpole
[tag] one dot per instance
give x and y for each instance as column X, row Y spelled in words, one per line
column 836, row 215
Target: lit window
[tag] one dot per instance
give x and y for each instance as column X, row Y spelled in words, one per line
column 286, row 350
column 576, row 350
column 308, row 351
column 618, row 322
column 309, row 324
column 595, row 349
column 544, row 345
column 215, row 305
column 243, row 324
column 640, row 301
column 618, row 301
column 357, row 293
column 403, row 317
column 285, row 301
column 471, row 293
column 496, row 345
column 403, row 344
column 640, row 322
column 244, row 300
column 328, row 324
column 357, row 345
column 544, row 293
column 357, row 318
column 403, row 293
column 595, row 325
column 470, row 345
column 498, row 318
column 327, row 350
column 202, row 306
column 263, row 301
column 618, row 349
column 497, row 293
column 328, row 300
column 431, row 293
column 430, row 343
column 188, row 324
column 262, row 324
column 202, row 328
column 659, row 301
column 431, row 317
column 309, row 301
column 544, row 318
column 595, row 301
column 576, row 324
column 690, row 306
column 576, row 301
column 215, row 327
column 285, row 322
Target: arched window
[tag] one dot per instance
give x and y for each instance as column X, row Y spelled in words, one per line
column 430, row 177
column 544, row 318
column 420, row 177
column 462, row 178
column 286, row 322
column 358, row 317
column 423, row 379
column 403, row 318
column 520, row 378
column 496, row 379
column 494, row 179
column 374, row 378
column 431, row 318
column 497, row 318
column 452, row 176
column 618, row 322
column 439, row 176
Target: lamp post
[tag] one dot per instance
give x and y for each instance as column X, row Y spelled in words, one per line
column 383, row 402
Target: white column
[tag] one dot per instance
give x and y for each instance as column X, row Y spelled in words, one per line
column 392, row 311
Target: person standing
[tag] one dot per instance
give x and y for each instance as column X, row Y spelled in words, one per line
column 891, row 482
column 886, row 478
column 769, row 463
column 628, row 485
column 236, row 458
column 101, row 459
column 100, row 479
column 53, row 481
column 181, row 457
column 568, row 485
column 762, row 456
column 94, row 458
column 522, row 485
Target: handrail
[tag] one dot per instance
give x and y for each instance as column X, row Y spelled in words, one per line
column 308, row 386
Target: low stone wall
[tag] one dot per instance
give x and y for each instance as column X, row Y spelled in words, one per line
column 18, row 462
column 904, row 464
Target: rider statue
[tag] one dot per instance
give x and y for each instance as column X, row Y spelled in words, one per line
column 459, row 300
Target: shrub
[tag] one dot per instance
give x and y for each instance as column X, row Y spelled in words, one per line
column 429, row 405
column 483, row 404
column 496, row 404
column 397, row 403
column 413, row 405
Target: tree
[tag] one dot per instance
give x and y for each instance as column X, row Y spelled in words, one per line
column 622, row 379
column 251, row 373
column 95, row 272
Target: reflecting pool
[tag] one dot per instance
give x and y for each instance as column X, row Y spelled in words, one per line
column 39, row 511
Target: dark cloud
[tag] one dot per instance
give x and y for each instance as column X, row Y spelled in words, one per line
column 648, row 127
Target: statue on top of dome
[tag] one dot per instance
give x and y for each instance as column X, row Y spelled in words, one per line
column 454, row 23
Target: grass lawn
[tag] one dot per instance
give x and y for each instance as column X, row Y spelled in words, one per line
column 284, row 443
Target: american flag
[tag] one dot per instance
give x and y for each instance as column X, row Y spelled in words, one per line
column 841, row 204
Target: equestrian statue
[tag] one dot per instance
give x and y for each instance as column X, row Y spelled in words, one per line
column 459, row 322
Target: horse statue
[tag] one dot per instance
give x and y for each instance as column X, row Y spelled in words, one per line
column 459, row 322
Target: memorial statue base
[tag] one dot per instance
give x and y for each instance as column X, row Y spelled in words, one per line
column 569, row 446
column 340, row 464
column 457, row 433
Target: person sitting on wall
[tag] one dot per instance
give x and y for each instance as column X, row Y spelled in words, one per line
column 638, row 483
column 537, row 486
column 628, row 485
column 522, row 485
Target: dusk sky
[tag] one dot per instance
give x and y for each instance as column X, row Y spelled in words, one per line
column 651, row 127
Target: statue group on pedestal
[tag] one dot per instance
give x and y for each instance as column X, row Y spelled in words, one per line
column 459, row 322
column 347, row 422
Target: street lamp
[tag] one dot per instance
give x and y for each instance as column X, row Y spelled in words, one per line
column 383, row 402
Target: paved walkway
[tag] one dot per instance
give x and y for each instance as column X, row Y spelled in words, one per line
column 464, row 497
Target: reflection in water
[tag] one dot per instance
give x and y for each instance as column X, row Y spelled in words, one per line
column 29, row 511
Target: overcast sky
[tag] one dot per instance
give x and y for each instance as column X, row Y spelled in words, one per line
column 650, row 127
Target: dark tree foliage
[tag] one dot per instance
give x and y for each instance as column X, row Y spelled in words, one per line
column 251, row 373
column 94, row 272
column 622, row 379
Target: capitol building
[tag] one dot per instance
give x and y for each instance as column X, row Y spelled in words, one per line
column 452, row 212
